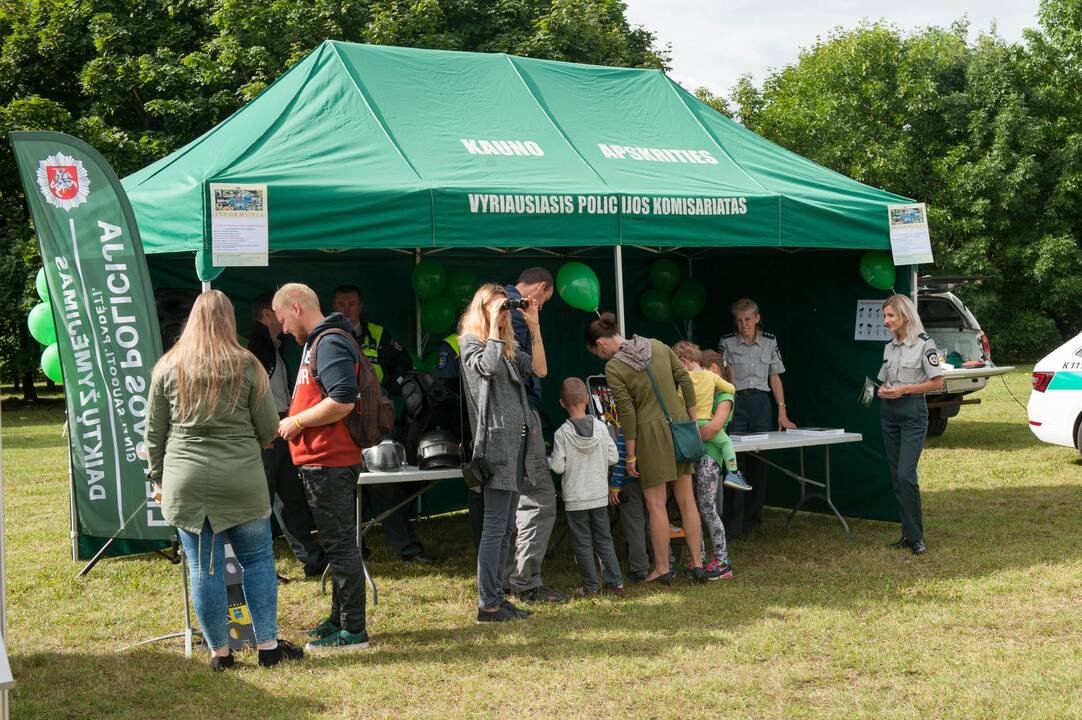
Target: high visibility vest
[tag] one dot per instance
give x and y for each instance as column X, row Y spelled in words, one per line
column 452, row 340
column 370, row 348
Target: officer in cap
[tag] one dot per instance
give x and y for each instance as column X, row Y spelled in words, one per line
column 910, row 369
column 756, row 363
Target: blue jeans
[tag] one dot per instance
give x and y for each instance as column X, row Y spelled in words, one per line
column 499, row 525
column 253, row 547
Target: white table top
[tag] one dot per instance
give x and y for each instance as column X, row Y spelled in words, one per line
column 411, row 473
column 780, row 440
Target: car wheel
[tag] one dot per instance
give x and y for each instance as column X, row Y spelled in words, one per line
column 937, row 423
column 1078, row 438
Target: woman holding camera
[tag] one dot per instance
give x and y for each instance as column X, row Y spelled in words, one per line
column 651, row 455
column 210, row 413
column 492, row 362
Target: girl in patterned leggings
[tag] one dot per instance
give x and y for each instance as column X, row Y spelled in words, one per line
column 713, row 400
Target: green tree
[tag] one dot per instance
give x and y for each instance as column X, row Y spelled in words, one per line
column 970, row 127
column 138, row 79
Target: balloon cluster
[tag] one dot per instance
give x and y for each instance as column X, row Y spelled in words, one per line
column 442, row 294
column 669, row 296
column 40, row 322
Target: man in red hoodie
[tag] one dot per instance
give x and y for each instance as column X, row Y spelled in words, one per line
column 326, row 456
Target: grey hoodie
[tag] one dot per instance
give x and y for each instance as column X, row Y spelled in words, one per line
column 635, row 352
column 584, row 463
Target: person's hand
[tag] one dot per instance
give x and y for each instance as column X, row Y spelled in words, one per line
column 532, row 312
column 156, row 492
column 784, row 423
column 632, row 469
column 288, row 429
column 888, row 392
column 614, row 496
column 493, row 310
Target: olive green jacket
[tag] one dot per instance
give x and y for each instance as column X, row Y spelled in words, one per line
column 211, row 467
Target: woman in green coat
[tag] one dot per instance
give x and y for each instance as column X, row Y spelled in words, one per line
column 651, row 456
column 210, row 412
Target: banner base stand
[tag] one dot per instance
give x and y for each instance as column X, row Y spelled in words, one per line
column 188, row 632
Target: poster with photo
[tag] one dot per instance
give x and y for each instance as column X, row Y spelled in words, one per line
column 238, row 226
column 910, row 243
column 869, row 322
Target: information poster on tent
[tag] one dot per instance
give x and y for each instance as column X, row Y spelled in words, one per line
column 910, row 242
column 238, row 226
column 869, row 322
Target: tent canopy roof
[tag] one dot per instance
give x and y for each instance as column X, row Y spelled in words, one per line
column 381, row 147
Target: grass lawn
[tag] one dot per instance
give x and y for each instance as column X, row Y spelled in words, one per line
column 987, row 625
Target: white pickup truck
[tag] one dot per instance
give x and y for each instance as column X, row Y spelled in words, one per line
column 955, row 330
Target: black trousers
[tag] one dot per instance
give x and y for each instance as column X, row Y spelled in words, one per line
column 743, row 510
column 331, row 496
column 401, row 535
column 291, row 507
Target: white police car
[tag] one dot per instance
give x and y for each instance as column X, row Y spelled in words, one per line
column 1055, row 404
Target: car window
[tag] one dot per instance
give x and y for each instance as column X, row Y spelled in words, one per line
column 939, row 312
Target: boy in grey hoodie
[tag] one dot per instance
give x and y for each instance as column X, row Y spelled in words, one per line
column 582, row 452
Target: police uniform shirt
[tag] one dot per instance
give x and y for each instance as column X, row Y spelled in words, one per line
column 908, row 362
column 753, row 363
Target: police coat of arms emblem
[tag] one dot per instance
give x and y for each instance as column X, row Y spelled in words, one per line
column 63, row 181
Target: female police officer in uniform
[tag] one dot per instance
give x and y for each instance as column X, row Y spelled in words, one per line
column 757, row 368
column 910, row 369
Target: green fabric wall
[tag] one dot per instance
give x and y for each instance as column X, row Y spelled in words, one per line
column 807, row 299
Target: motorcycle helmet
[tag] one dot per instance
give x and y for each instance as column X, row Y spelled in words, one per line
column 439, row 449
column 388, row 456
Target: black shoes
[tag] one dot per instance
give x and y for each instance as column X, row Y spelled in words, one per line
column 502, row 613
column 917, row 548
column 419, row 558
column 542, row 594
column 696, row 574
column 520, row 612
column 220, row 663
column 285, row 651
column 665, row 579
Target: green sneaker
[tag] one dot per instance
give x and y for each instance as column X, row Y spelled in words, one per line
column 341, row 641
column 325, row 628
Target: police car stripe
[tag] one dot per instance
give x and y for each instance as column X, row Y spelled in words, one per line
column 1066, row 381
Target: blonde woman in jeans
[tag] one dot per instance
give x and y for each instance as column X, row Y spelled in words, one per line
column 491, row 353
column 210, row 413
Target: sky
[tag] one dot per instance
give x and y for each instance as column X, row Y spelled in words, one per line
column 715, row 41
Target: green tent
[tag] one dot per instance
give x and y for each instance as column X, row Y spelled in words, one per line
column 374, row 156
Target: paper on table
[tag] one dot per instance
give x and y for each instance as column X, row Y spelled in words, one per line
column 749, row 437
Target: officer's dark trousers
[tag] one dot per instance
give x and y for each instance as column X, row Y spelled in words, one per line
column 291, row 507
column 742, row 510
column 331, row 495
column 905, row 422
column 401, row 535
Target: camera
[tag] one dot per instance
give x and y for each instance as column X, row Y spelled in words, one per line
column 519, row 304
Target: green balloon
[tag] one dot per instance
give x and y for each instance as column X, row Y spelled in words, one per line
column 50, row 364
column 665, row 274
column 40, row 322
column 438, row 315
column 461, row 285
column 877, row 269
column 42, row 285
column 578, row 286
column 428, row 279
column 689, row 299
column 655, row 305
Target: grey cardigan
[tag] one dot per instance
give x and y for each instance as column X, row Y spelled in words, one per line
column 508, row 410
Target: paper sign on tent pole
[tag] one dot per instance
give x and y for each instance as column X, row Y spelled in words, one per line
column 910, row 243
column 238, row 225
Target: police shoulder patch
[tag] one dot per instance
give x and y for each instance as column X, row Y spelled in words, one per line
column 933, row 358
